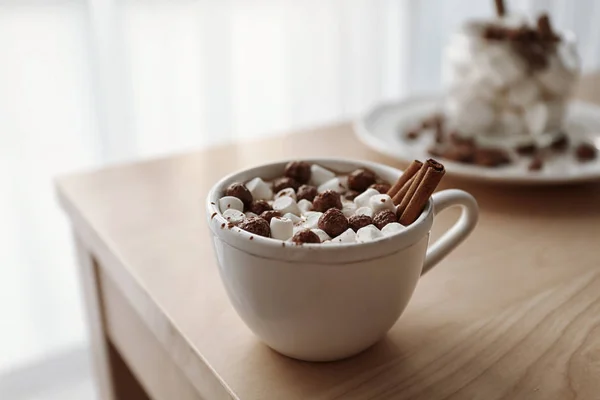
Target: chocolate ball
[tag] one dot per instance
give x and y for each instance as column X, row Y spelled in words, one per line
column 298, row 170
column 351, row 194
column 361, row 179
column 240, row 191
column 306, row 236
column 326, row 200
column 256, row 225
column 307, row 192
column 333, row 222
column 585, row 152
column 359, row 221
column 260, row 206
column 267, row 215
column 382, row 218
column 285, row 182
column 382, row 188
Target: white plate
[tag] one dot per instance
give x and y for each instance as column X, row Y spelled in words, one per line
column 383, row 130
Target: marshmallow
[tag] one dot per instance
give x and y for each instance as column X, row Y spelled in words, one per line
column 338, row 184
column 511, row 123
column 392, row 228
column 321, row 234
column 348, row 236
column 556, row 114
column 368, row 211
column 501, row 64
column 230, row 203
column 250, row 214
column 285, row 205
column 290, row 192
column 523, row 93
column 294, row 218
column 473, row 116
column 556, row 79
column 362, row 200
column 234, row 216
column 305, row 205
column 348, row 209
column 381, row 202
column 368, row 234
column 569, row 57
column 281, row 228
column 260, row 189
column 536, row 118
column 312, row 219
column 319, row 175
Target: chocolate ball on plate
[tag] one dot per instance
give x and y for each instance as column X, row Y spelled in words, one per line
column 256, row 225
column 306, row 192
column 326, row 200
column 305, row 236
column 361, row 179
column 382, row 218
column 240, row 191
column 333, row 222
column 359, row 221
column 285, row 182
column 298, row 170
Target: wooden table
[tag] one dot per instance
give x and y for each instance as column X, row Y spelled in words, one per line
column 513, row 313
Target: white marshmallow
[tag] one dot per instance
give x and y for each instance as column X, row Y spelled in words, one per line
column 234, row 216
column 392, row 228
column 281, row 228
column 321, row 234
column 305, row 205
column 260, row 189
column 511, row 123
column 536, row 118
column 348, row 236
column 294, row 218
column 368, row 234
column 556, row 115
column 250, row 214
column 285, row 205
column 368, row 211
column 337, row 184
column 230, row 203
column 523, row 93
column 348, row 209
column 569, row 57
column 312, row 219
column 473, row 116
column 362, row 200
column 290, row 192
column 501, row 64
column 556, row 79
column 319, row 175
column 381, row 202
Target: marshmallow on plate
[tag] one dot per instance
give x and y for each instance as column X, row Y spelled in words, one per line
column 536, row 118
column 381, row 202
column 290, row 192
column 312, row 219
column 230, row 203
column 285, row 205
column 368, row 211
column 348, row 236
column 523, row 93
column 260, row 189
column 319, row 175
column 362, row 200
column 511, row 123
column 294, row 218
column 338, row 184
column 368, row 234
column 305, row 205
column 281, row 228
column 392, row 228
column 323, row 236
column 234, row 216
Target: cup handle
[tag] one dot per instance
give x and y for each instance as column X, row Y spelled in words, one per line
column 459, row 231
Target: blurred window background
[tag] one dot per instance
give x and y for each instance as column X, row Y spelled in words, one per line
column 85, row 83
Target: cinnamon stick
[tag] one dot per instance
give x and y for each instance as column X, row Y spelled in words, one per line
column 412, row 189
column 500, row 8
column 397, row 199
column 432, row 176
column 405, row 177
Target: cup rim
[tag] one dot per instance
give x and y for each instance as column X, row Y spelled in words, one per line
column 327, row 254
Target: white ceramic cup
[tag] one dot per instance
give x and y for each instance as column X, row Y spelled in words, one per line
column 323, row 303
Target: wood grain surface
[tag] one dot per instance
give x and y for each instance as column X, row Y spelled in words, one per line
column 513, row 313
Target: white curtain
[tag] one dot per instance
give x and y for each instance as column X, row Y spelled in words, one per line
column 89, row 82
